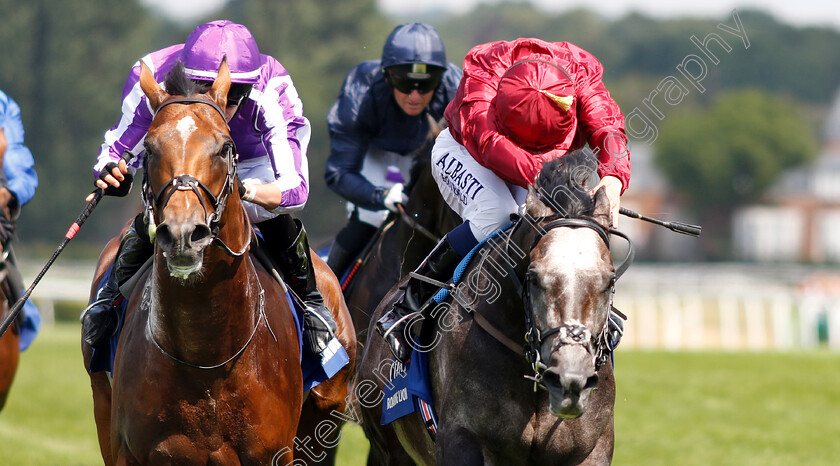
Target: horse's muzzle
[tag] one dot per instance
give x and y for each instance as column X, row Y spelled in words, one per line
column 183, row 246
column 570, row 379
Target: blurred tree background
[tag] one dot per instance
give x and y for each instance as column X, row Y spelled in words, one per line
column 756, row 136
column 65, row 64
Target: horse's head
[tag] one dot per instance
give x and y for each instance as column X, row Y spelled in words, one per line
column 190, row 166
column 569, row 283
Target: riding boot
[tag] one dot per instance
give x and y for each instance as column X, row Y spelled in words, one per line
column 349, row 243
column 295, row 262
column 439, row 266
column 615, row 330
column 338, row 259
column 100, row 319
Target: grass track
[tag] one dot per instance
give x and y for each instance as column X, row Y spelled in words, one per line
column 671, row 408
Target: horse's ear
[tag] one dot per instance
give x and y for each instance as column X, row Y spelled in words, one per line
column 221, row 85
column 150, row 87
column 534, row 206
column 601, row 214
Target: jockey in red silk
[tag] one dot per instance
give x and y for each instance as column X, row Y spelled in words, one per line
column 520, row 103
column 380, row 116
column 266, row 121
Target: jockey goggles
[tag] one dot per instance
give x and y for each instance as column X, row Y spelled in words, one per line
column 237, row 93
column 416, row 76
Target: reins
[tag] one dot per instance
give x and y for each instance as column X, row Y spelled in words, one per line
column 414, row 224
column 186, row 182
column 260, row 317
column 569, row 334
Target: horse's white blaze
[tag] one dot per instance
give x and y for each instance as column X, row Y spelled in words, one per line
column 185, row 127
column 572, row 255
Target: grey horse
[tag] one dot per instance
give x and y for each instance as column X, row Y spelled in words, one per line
column 549, row 278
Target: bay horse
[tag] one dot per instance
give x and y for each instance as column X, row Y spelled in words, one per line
column 9, row 346
column 207, row 368
column 10, row 341
column 404, row 239
column 547, row 280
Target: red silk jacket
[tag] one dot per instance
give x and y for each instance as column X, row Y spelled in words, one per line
column 473, row 124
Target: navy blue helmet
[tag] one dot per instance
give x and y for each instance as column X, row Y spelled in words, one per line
column 414, row 43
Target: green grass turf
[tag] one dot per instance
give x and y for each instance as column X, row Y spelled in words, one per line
column 727, row 408
column 671, row 408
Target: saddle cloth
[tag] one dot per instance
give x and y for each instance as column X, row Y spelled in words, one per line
column 409, row 389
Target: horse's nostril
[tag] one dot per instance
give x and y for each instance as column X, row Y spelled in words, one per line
column 164, row 236
column 200, row 234
column 591, row 382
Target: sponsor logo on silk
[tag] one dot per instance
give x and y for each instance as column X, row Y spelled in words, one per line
column 459, row 180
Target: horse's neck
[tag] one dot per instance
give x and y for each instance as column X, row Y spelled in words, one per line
column 427, row 207
column 503, row 264
column 204, row 319
column 212, row 312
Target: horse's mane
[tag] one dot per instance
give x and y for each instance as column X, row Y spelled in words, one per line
column 420, row 163
column 562, row 184
column 421, row 160
column 177, row 82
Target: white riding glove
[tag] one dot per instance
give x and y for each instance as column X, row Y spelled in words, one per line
column 395, row 196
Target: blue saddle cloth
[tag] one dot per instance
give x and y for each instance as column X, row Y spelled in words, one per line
column 408, row 390
column 314, row 369
column 31, row 324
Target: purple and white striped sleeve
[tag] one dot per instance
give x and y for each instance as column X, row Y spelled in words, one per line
column 286, row 134
column 131, row 129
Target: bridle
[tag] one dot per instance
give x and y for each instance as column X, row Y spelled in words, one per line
column 186, row 182
column 569, row 334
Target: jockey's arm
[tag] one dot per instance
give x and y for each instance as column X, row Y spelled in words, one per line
column 268, row 195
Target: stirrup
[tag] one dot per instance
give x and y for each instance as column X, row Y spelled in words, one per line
column 90, row 306
column 399, row 322
column 325, row 322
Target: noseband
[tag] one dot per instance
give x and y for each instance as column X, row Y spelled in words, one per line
column 186, row 182
column 569, row 334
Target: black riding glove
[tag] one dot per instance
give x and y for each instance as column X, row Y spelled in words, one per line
column 125, row 185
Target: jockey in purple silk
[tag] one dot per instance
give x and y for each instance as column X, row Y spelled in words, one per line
column 265, row 117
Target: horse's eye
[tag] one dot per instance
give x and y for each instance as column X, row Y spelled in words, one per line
column 227, row 149
column 611, row 283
